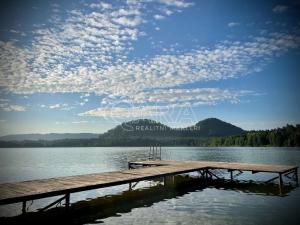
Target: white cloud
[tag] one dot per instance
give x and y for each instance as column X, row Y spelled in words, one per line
column 60, row 106
column 85, row 95
column 87, row 53
column 196, row 96
column 54, row 106
column 168, row 12
column 121, row 112
column 130, row 22
column 280, row 8
column 101, row 5
column 158, row 17
column 16, row 108
column 177, row 3
column 80, row 122
column 233, row 24
column 11, row 108
column 83, row 44
column 84, row 98
column 225, row 60
column 164, row 101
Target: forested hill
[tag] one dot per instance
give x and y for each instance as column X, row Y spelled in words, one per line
column 144, row 128
column 217, row 128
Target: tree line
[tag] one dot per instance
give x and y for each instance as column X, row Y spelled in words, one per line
column 288, row 136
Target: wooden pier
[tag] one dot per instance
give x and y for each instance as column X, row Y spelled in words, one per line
column 21, row 192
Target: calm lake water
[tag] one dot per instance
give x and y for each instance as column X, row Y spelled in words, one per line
column 185, row 200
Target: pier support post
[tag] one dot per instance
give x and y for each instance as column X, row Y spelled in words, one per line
column 67, row 201
column 280, row 183
column 205, row 176
column 231, row 175
column 23, row 207
column 130, row 186
column 164, row 181
column 280, row 180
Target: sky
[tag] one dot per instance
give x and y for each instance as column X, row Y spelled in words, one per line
column 86, row 66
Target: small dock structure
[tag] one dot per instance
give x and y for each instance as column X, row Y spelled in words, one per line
column 22, row 192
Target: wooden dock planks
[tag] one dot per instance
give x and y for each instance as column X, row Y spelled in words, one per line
column 222, row 165
column 34, row 189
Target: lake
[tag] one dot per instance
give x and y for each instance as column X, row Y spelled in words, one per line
column 186, row 200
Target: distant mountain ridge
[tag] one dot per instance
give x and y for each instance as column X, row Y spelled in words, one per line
column 48, row 137
column 141, row 128
column 141, row 134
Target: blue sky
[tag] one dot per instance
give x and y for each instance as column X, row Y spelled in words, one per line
column 86, row 66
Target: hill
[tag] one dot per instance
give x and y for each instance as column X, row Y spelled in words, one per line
column 141, row 128
column 144, row 128
column 213, row 127
column 138, row 128
column 48, row 137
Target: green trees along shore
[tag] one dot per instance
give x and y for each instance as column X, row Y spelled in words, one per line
column 210, row 132
column 288, row 136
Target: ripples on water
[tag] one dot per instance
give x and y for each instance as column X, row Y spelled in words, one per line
column 184, row 200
